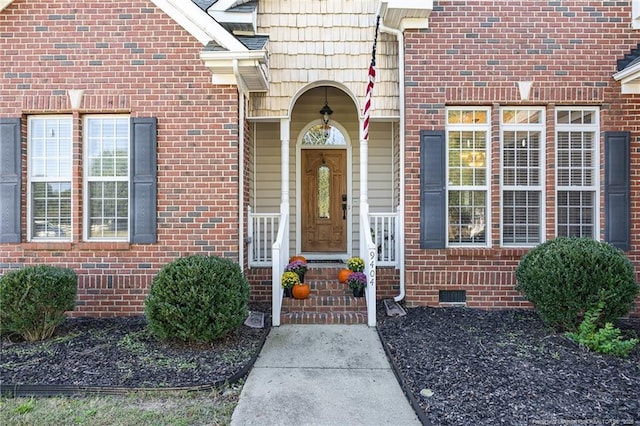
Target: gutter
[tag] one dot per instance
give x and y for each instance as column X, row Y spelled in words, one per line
column 241, row 100
column 401, row 69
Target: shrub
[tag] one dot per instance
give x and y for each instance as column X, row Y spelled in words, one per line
column 197, row 299
column 565, row 277
column 34, row 299
column 606, row 340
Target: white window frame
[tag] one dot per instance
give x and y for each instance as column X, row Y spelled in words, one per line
column 33, row 179
column 524, row 127
column 635, row 14
column 595, row 187
column 486, row 188
column 88, row 179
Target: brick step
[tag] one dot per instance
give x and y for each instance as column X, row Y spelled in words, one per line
column 330, row 303
column 322, row 273
column 324, row 318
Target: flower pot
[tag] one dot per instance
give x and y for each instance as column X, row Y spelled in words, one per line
column 301, row 291
column 288, row 292
column 343, row 275
column 358, row 292
column 301, row 276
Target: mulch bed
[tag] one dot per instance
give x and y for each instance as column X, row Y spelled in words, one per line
column 506, row 367
column 122, row 353
column 479, row 367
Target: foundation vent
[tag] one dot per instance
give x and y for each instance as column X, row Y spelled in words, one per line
column 455, row 297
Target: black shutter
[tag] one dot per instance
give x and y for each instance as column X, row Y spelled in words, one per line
column 143, row 180
column 432, row 189
column 617, row 205
column 10, row 180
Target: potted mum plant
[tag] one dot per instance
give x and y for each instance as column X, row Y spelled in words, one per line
column 356, row 264
column 357, row 281
column 297, row 266
column 289, row 279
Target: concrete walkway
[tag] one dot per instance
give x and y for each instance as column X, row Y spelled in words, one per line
column 322, row 375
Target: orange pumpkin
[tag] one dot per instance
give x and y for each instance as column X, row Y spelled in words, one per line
column 301, row 291
column 298, row 257
column 343, row 275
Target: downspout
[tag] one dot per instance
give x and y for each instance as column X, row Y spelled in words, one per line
column 398, row 34
column 241, row 100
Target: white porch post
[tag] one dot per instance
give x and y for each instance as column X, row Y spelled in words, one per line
column 367, row 248
column 284, row 161
column 280, row 250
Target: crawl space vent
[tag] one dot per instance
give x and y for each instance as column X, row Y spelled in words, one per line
column 452, row 296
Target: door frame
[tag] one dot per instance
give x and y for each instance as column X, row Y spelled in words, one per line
column 298, row 194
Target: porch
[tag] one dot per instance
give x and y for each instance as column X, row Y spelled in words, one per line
column 315, row 192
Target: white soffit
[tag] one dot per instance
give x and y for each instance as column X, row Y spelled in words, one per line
column 406, row 14
column 4, row 4
column 629, row 79
column 198, row 23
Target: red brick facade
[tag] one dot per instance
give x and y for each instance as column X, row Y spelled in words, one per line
column 474, row 53
column 133, row 59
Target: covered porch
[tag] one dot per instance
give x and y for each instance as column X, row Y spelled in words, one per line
column 317, row 188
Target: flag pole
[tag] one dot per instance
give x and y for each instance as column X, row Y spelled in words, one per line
column 372, row 79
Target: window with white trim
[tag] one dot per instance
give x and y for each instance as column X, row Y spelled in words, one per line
column 468, row 130
column 49, row 170
column 106, row 140
column 522, row 177
column 577, row 177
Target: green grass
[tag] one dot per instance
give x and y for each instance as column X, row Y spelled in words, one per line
column 166, row 408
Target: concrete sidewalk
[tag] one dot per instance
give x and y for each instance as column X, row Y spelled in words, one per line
column 322, row 375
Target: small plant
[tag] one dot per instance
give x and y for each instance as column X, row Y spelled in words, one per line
column 289, row 279
column 297, row 266
column 197, row 299
column 356, row 264
column 357, row 281
column 26, row 407
column 606, row 340
column 34, row 299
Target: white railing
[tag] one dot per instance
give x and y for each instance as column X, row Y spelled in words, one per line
column 370, row 254
column 279, row 259
column 385, row 231
column 263, row 228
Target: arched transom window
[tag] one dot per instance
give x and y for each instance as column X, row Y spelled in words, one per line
column 319, row 134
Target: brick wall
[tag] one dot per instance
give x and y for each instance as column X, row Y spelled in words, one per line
column 130, row 58
column 474, row 53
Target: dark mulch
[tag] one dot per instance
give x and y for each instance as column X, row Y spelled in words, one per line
column 483, row 368
column 121, row 352
column 506, row 367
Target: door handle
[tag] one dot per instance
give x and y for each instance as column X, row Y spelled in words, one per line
column 344, row 206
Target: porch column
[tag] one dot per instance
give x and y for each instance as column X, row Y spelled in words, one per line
column 284, row 161
column 364, row 171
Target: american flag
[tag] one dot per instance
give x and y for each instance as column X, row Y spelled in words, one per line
column 372, row 79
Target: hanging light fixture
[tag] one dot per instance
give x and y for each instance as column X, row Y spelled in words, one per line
column 326, row 111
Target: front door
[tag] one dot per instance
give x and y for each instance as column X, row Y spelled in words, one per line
column 324, row 200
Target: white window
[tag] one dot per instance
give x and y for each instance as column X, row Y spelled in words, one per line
column 106, row 173
column 522, row 177
column 49, row 153
column 577, row 177
column 635, row 14
column 468, row 130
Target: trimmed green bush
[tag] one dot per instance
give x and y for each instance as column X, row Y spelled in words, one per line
column 565, row 277
column 197, row 299
column 34, row 299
